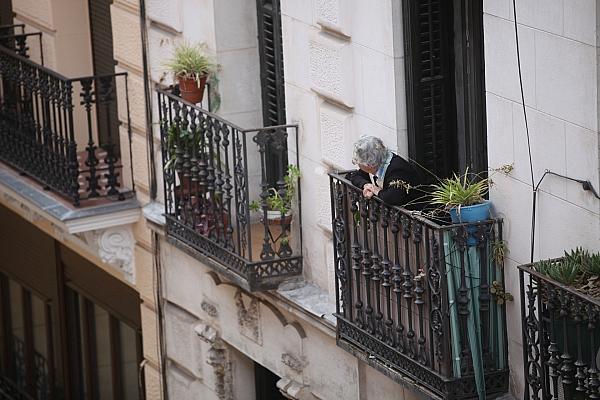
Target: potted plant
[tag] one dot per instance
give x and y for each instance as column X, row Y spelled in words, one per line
column 181, row 139
column 191, row 67
column 279, row 205
column 463, row 197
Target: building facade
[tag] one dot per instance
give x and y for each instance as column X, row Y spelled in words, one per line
column 152, row 244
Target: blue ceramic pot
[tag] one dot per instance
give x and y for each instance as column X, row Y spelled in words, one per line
column 474, row 213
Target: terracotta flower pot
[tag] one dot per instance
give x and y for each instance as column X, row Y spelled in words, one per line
column 190, row 90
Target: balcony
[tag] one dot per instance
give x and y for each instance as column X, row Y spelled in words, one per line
column 420, row 301
column 561, row 337
column 218, row 180
column 62, row 133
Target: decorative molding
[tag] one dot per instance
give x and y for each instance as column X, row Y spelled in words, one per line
column 115, row 247
column 335, row 16
column 295, row 363
column 209, row 309
column 103, row 221
column 278, row 314
column 248, row 317
column 331, row 69
column 218, row 358
column 293, row 390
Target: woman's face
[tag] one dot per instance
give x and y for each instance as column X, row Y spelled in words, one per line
column 368, row 168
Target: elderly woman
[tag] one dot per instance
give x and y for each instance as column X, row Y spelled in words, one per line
column 384, row 174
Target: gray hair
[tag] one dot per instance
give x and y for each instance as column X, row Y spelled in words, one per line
column 369, row 150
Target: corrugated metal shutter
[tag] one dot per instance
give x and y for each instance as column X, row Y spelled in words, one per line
column 104, row 64
column 430, row 84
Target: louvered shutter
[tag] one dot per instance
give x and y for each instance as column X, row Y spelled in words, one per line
column 430, row 84
column 271, row 62
column 6, row 14
column 104, row 64
column 271, row 78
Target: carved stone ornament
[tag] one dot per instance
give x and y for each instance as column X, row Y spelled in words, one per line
column 293, row 390
column 248, row 317
column 115, row 247
column 295, row 363
column 209, row 308
column 218, row 358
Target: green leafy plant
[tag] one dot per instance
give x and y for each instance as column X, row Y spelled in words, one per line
column 499, row 250
column 459, row 191
column 500, row 295
column 276, row 201
column 564, row 271
column 190, row 61
column 179, row 138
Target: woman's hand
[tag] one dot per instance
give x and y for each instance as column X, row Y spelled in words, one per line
column 369, row 190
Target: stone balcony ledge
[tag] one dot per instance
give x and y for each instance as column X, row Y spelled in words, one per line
column 304, row 298
column 16, row 188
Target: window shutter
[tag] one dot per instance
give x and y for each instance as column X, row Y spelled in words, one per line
column 271, row 62
column 430, row 85
column 270, row 45
column 104, row 64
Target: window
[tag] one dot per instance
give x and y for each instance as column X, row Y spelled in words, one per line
column 27, row 348
column 445, row 84
column 105, row 354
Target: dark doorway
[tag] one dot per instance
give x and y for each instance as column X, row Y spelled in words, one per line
column 266, row 384
column 270, row 47
column 104, row 64
column 445, row 85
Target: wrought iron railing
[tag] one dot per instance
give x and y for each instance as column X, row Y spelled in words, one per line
column 15, row 38
column 64, row 132
column 561, row 339
column 212, row 170
column 417, row 299
column 10, row 391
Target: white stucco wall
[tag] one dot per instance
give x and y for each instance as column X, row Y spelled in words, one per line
column 341, row 76
column 558, row 49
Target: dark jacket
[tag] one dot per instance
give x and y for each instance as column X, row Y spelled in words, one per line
column 401, row 193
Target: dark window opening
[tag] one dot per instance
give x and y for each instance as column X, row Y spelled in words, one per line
column 445, row 85
column 266, row 384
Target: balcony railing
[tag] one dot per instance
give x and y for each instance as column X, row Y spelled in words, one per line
column 213, row 172
column 10, row 391
column 418, row 300
column 14, row 37
column 63, row 132
column 561, row 339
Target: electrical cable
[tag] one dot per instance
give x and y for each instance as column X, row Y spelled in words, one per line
column 532, row 175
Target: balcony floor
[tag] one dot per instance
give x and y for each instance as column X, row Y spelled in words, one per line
column 55, row 205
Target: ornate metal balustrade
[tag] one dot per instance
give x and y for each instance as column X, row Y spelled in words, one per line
column 212, row 170
column 14, row 37
column 10, row 391
column 419, row 300
column 64, row 132
column 561, row 339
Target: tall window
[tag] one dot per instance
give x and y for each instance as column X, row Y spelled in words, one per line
column 445, row 84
